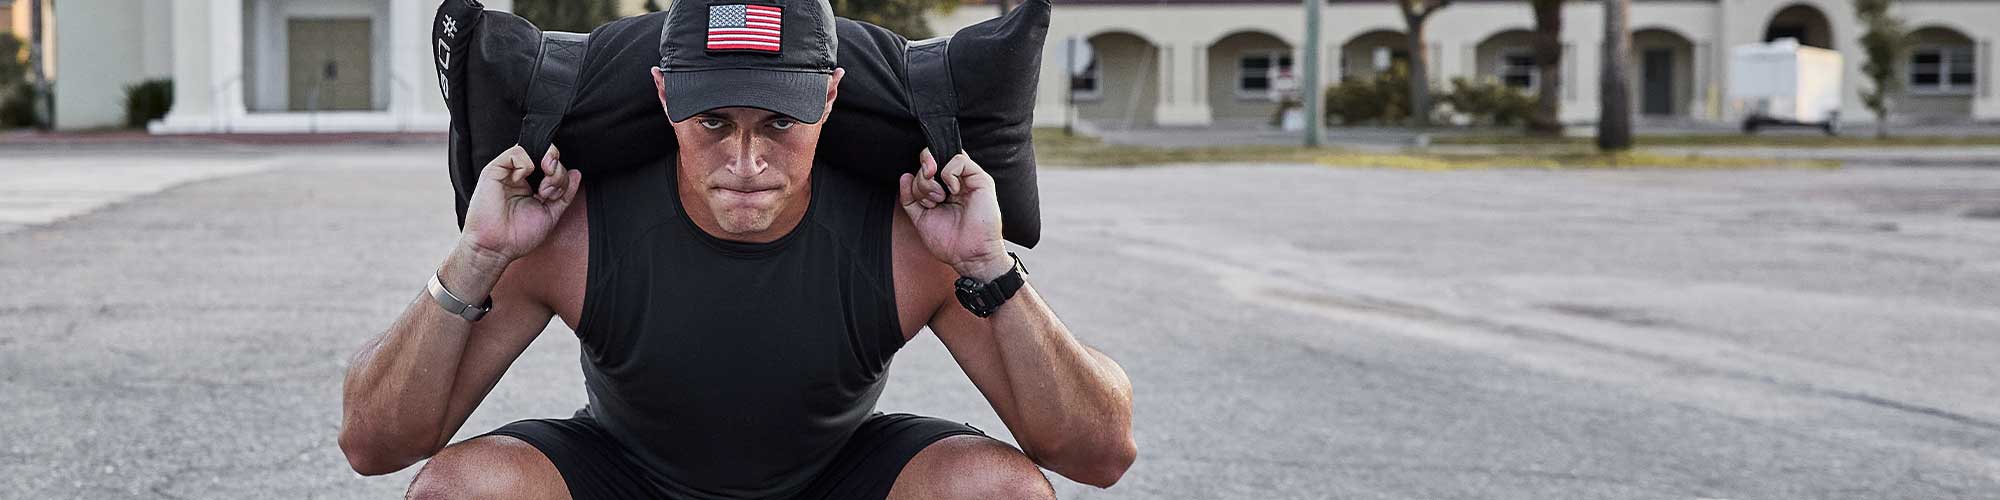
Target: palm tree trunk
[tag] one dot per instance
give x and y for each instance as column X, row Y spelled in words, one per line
column 44, row 103
column 1547, row 120
column 1420, row 80
column 1614, row 122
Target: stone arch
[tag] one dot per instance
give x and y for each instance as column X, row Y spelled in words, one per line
column 1662, row 72
column 1501, row 55
column 1125, row 76
column 1372, row 52
column 1940, row 75
column 1244, row 67
column 1804, row 22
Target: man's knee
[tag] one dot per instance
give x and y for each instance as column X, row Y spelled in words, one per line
column 487, row 467
column 980, row 468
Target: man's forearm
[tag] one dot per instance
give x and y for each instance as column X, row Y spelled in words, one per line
column 1076, row 402
column 399, row 387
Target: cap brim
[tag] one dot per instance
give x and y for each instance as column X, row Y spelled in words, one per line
column 796, row 94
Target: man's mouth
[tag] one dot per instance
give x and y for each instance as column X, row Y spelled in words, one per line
column 749, row 195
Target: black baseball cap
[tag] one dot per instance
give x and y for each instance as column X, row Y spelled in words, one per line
column 775, row 55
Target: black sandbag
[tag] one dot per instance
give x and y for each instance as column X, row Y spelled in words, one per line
column 614, row 121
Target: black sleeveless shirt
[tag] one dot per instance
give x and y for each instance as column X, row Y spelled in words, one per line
column 735, row 370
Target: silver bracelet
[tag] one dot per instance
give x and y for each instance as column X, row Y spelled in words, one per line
column 452, row 304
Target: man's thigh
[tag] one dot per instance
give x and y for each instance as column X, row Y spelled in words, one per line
column 973, row 468
column 489, row 467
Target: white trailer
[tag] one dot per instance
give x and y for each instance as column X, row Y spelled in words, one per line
column 1784, row 83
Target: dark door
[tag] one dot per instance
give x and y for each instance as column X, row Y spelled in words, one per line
column 1659, row 82
column 330, row 65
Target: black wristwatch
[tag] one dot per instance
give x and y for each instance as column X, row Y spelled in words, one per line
column 984, row 298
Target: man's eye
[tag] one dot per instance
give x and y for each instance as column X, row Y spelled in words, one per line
column 711, row 123
column 783, row 124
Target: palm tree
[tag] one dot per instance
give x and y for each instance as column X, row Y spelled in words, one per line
column 1547, row 119
column 1614, row 122
column 1415, row 12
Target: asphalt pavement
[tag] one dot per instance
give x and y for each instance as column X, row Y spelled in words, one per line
column 178, row 326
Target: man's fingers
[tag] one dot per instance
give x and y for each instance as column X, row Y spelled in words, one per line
column 551, row 159
column 955, row 169
column 567, row 195
column 933, row 191
column 517, row 166
column 905, row 194
column 503, row 167
column 552, row 187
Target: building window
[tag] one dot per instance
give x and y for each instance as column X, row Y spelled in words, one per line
column 1257, row 73
column 1089, row 85
column 1517, row 69
column 1942, row 69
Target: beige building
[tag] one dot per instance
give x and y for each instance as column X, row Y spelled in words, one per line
column 1186, row 62
column 365, row 65
column 15, row 20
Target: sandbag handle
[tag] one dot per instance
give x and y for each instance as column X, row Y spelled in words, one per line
column 934, row 99
column 551, row 90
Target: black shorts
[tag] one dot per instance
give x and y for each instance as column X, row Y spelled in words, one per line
column 594, row 465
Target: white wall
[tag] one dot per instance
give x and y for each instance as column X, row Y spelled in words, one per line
column 105, row 43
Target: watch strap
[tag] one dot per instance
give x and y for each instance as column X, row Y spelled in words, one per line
column 452, row 304
column 983, row 299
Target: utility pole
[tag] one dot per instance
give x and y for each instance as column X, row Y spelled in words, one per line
column 1309, row 85
column 43, row 116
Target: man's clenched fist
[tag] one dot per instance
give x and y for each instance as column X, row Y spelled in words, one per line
column 507, row 217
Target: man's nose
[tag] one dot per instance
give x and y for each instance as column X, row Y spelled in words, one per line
column 747, row 158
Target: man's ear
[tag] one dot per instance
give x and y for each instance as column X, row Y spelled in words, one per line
column 660, row 88
column 833, row 89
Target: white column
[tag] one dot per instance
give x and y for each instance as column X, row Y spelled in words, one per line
column 226, row 54
column 1699, row 106
column 1985, row 104
column 1183, row 68
column 414, row 100
column 208, row 67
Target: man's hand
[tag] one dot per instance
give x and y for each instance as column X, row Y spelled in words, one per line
column 962, row 229
column 506, row 217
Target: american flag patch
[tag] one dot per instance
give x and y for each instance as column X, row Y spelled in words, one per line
column 745, row 27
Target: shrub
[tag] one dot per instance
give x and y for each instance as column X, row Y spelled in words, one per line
column 1381, row 99
column 1488, row 102
column 13, row 61
column 17, row 106
column 147, row 101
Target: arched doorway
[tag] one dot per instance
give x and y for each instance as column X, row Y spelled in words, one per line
column 1122, row 83
column 1509, row 57
column 1374, row 52
column 1801, row 22
column 1663, row 72
column 1939, row 75
column 1245, row 69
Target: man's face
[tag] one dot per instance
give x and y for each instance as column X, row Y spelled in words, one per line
column 749, row 168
